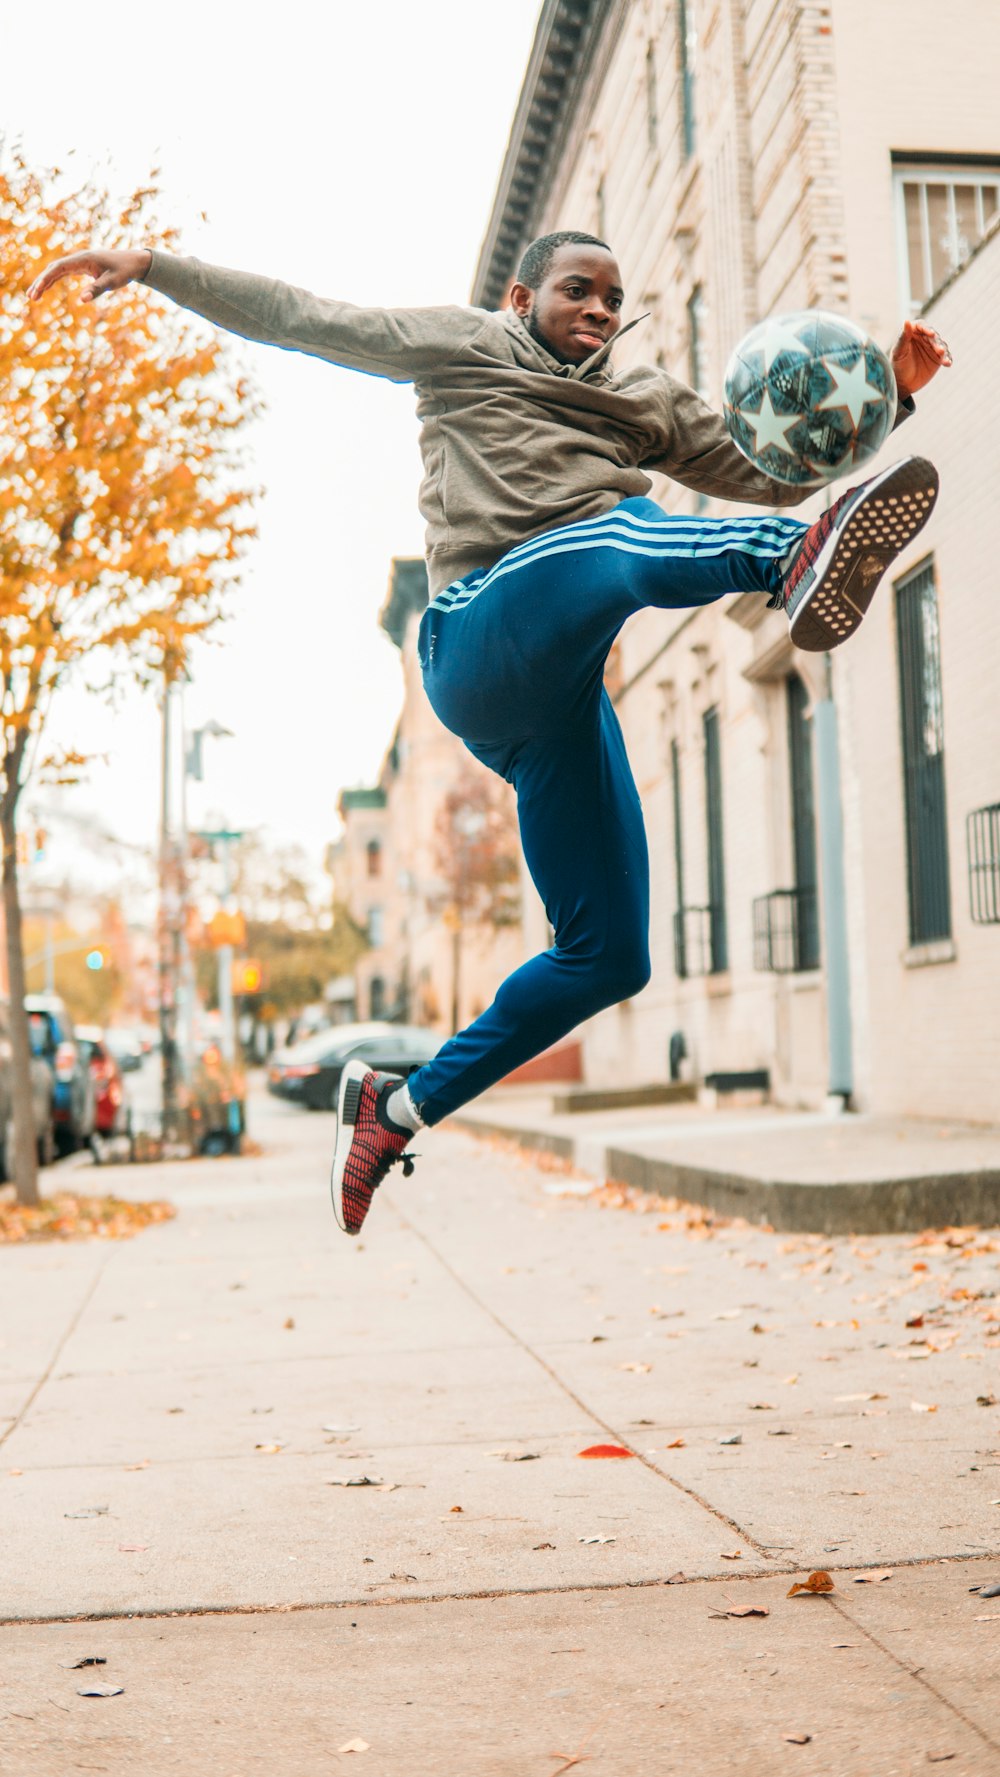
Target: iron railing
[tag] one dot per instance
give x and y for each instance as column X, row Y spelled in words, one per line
column 695, row 952
column 982, row 833
column 786, row 931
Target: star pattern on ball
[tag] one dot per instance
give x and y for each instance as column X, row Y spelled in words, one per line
column 772, row 428
column 780, row 337
column 851, row 390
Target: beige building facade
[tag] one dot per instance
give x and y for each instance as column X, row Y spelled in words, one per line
column 807, row 815
column 424, row 965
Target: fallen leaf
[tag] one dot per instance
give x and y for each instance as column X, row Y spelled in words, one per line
column 763, row 1407
column 841, row 1644
column 100, row 1690
column 797, row 1739
column 596, row 1539
column 89, row 1512
column 132, row 1548
column 939, row 1758
column 982, row 1400
column 872, row 1579
column 861, row 1397
column 678, row 1444
column 987, row 1591
column 15, row 1471
column 457, row 1508
column 917, row 1321
column 757, row 1328
column 288, row 1324
column 84, row 1660
column 677, row 1579
column 543, row 1545
column 268, row 1449
column 402, row 1576
column 637, row 1369
column 599, row 1450
column 789, row 1380
column 338, row 1428
column 995, row 1618
column 515, row 1455
column 132, row 1468
column 728, row 1314
column 356, row 1481
column 747, row 1610
column 354, row 1746
column 737, row 1438
column 922, row 1407
column 817, row 1582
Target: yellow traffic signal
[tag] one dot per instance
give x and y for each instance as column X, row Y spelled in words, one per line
column 247, row 977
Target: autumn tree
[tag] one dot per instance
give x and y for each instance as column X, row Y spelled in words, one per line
column 124, row 507
column 476, row 854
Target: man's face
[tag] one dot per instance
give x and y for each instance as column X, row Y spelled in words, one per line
column 577, row 306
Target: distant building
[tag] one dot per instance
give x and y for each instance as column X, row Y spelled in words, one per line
column 744, row 160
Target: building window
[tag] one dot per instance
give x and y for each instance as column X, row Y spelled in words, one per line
column 373, row 853
column 922, row 721
column 942, row 211
column 687, row 45
column 376, row 927
column 652, row 108
column 800, row 767
column 376, row 996
column 697, row 365
column 718, row 939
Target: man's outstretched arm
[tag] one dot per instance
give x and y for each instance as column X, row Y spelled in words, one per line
column 395, row 343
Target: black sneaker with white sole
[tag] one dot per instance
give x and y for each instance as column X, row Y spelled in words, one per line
column 831, row 579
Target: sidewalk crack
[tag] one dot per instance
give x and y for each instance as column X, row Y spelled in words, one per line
column 60, row 1348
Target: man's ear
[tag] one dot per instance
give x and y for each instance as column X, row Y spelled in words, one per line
column 521, row 299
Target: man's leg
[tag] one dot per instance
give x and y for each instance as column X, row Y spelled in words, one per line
column 585, row 846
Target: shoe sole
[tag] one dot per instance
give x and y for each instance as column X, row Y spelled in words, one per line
column 889, row 513
column 347, row 1115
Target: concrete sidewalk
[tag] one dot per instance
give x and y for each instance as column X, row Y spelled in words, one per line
column 811, row 1172
column 179, row 1413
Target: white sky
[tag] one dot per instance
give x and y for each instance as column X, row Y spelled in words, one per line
column 353, row 149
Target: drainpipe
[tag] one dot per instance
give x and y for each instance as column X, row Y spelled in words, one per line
column 831, row 853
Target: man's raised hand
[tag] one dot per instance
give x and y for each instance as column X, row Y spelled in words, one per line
column 106, row 269
column 918, row 354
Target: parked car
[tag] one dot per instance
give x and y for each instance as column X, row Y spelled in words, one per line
column 126, row 1046
column 53, row 1038
column 42, row 1096
column 310, row 1072
column 110, row 1109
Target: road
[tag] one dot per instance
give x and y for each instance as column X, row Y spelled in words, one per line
column 183, row 1416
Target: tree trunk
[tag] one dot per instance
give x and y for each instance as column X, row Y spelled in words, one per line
column 25, row 1156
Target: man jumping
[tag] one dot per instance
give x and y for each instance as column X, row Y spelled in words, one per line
column 541, row 542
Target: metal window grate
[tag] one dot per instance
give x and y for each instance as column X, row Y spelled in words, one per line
column 922, row 720
column 784, row 927
column 680, row 956
column 693, row 950
column 800, row 764
column 982, row 832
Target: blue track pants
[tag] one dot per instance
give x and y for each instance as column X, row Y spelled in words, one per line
column 513, row 662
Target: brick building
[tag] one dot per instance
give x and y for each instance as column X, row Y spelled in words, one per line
column 807, row 814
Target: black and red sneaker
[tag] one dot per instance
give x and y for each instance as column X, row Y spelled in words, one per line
column 368, row 1143
column 830, row 580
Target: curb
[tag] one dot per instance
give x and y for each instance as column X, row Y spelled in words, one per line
column 876, row 1206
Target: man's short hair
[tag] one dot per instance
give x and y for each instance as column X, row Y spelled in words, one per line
column 537, row 259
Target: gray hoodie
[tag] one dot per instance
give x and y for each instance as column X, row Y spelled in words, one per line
column 513, row 442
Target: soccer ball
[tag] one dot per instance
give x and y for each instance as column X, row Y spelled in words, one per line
column 808, row 397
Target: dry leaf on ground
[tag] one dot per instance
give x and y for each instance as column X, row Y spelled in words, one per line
column 600, row 1450
column 69, row 1217
column 84, row 1660
column 637, row 1369
column 354, row 1746
column 596, row 1539
column 677, row 1444
column 817, row 1582
column 872, row 1579
column 736, row 1555
column 797, row 1739
column 922, row 1407
column 100, row 1690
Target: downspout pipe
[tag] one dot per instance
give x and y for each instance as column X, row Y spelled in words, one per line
column 834, row 894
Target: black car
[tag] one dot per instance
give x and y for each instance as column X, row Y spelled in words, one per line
column 42, row 1096
column 54, row 1039
column 310, row 1072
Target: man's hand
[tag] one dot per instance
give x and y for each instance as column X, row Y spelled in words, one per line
column 106, row 270
column 917, row 355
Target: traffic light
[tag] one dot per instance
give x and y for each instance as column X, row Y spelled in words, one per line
column 248, row 976
column 95, row 959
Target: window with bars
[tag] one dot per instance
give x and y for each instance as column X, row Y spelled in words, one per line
column 680, row 945
column 800, row 769
column 943, row 209
column 922, row 724
column 687, row 46
column 719, row 941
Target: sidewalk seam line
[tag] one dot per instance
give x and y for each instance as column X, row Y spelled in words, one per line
column 917, row 1674
column 60, row 1348
column 689, row 1492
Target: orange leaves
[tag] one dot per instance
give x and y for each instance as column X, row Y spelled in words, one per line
column 816, row 1583
column 66, row 1217
column 606, row 1450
